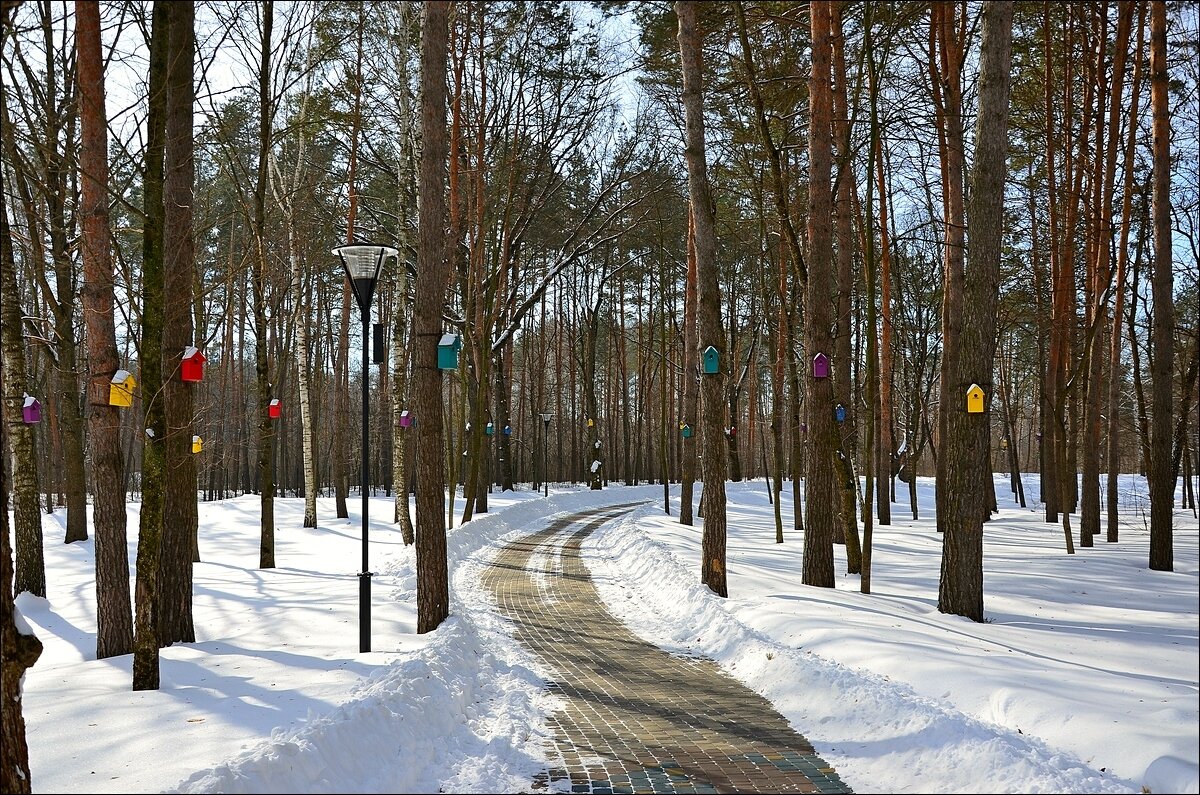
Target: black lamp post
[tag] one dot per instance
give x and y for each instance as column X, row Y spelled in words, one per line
column 545, row 439
column 362, row 263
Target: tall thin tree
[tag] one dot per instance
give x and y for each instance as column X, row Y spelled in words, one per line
column 960, row 590
column 114, row 614
column 712, row 389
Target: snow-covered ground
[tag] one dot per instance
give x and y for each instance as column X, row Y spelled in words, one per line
column 1084, row 678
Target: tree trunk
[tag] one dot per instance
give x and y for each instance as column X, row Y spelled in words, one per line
column 842, row 353
column 713, row 465
column 820, row 487
column 18, row 651
column 114, row 616
column 690, row 384
column 1115, row 378
column 180, row 512
column 262, row 363
column 154, row 453
column 433, row 272
column 960, row 590
column 30, row 572
column 1161, row 472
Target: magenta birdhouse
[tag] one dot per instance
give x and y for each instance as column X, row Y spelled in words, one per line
column 31, row 411
column 820, row 366
column 406, row 419
column 192, row 367
column 275, row 409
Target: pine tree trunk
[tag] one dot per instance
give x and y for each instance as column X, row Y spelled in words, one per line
column 433, row 272
column 114, row 616
column 820, row 486
column 713, row 465
column 1161, row 472
column 960, row 590
column 262, row 364
column 154, row 454
column 180, row 512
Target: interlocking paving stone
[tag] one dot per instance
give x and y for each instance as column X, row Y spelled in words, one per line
column 636, row 718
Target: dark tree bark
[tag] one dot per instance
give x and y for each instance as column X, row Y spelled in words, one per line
column 821, row 494
column 960, row 590
column 180, row 513
column 30, row 572
column 114, row 616
column 18, row 651
column 433, row 273
column 1161, row 471
column 262, row 363
column 154, row 454
column 713, row 465
column 690, row 386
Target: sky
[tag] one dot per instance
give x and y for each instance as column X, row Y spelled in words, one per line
column 1082, row 678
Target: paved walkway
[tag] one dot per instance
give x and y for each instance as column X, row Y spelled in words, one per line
column 637, row 719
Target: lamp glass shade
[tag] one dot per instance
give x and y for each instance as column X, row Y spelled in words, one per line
column 362, row 263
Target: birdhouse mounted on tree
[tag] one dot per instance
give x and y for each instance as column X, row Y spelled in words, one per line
column 275, row 408
column 197, row 444
column 120, row 392
column 508, row 430
column 820, row 366
column 448, row 348
column 710, row 361
column 31, row 411
column 839, row 413
column 406, row 419
column 975, row 399
column 591, row 423
column 489, row 429
column 686, row 431
column 192, row 366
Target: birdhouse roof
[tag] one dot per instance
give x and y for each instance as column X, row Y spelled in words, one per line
column 449, row 339
column 404, row 413
column 196, row 439
column 30, row 400
column 821, row 357
column 974, row 389
column 121, row 376
column 192, row 351
column 274, row 401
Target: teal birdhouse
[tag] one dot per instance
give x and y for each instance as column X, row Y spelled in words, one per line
column 710, row 360
column 448, row 349
column 686, row 430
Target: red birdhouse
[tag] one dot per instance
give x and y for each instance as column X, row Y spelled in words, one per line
column 31, row 411
column 275, row 409
column 820, row 366
column 193, row 364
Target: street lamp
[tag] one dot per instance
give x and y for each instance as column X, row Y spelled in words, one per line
column 545, row 438
column 362, row 263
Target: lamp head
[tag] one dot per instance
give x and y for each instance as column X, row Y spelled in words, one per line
column 362, row 263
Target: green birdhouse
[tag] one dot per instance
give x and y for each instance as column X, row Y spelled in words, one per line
column 448, row 349
column 710, row 360
column 686, row 430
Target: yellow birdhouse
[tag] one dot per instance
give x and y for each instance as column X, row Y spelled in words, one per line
column 591, row 423
column 120, row 392
column 197, row 444
column 975, row 398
